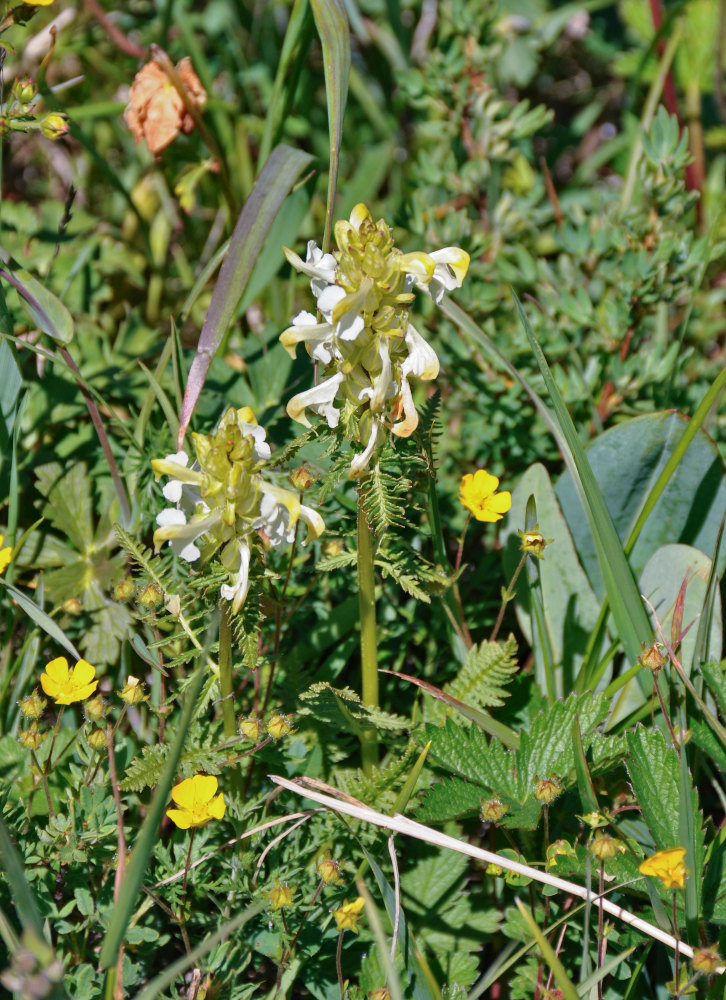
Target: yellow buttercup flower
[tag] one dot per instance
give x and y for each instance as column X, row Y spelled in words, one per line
column 197, row 802
column 40, row 3
column 5, row 555
column 348, row 915
column 668, row 866
column 478, row 494
column 65, row 686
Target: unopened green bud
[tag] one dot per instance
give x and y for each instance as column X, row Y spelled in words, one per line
column 24, row 90
column 250, row 729
column 329, row 870
column 547, row 789
column 54, row 125
column 32, row 737
column 124, row 589
column 279, row 726
column 73, row 606
column 492, row 810
column 604, row 847
column 652, row 658
column 33, row 705
column 706, row 960
column 95, row 708
column 302, row 479
column 151, row 596
column 97, row 740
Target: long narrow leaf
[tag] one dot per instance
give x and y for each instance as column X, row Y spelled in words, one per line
column 629, row 614
column 331, row 21
column 271, row 188
column 567, row 987
column 148, row 834
column 41, row 619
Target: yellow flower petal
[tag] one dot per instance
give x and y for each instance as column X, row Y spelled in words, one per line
column 668, row 866
column 5, row 556
column 183, row 794
column 359, row 214
column 180, row 817
column 217, row 807
column 83, row 673
column 205, row 786
column 57, row 669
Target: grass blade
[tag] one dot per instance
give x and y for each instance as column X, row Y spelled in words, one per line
column 271, row 188
column 147, row 836
column 555, row 966
column 41, row 619
column 630, row 617
column 331, row 21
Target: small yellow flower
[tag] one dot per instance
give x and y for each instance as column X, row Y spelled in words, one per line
column 348, row 915
column 197, row 802
column 66, row 686
column 478, row 494
column 39, row 3
column 668, row 866
column 281, row 895
column 5, row 555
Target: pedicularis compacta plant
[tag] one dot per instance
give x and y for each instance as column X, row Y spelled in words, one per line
column 364, row 643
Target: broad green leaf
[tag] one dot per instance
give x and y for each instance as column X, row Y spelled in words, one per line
column 627, row 607
column 10, row 382
column 626, row 462
column 570, row 606
column 45, row 310
column 69, row 507
column 271, row 188
column 44, row 621
column 147, row 836
column 331, row 21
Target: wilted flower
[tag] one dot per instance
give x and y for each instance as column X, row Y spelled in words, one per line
column 533, row 542
column 366, row 342
column 281, row 895
column 478, row 494
column 348, row 915
column 5, row 555
column 66, row 686
column 706, row 960
column 652, row 657
column 668, row 866
column 133, row 691
column 156, row 112
column 197, row 801
column 224, row 498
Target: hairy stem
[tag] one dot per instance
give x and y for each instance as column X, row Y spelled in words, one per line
column 368, row 643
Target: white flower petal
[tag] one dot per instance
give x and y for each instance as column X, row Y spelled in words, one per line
column 329, row 297
column 173, row 490
column 421, row 360
column 319, row 399
column 361, row 462
column 261, row 448
column 452, row 263
column 236, row 592
column 170, row 515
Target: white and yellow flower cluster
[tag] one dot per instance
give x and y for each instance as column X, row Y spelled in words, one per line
column 224, row 500
column 366, row 343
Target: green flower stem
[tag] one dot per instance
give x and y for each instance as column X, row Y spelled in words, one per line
column 451, row 599
column 225, row 673
column 56, row 730
column 507, row 597
column 368, row 638
column 44, row 782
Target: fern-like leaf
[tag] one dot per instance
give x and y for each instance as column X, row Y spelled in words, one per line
column 480, row 683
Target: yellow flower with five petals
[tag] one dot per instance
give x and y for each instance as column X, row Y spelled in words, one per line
column 197, row 801
column 348, row 915
column 478, row 493
column 65, row 686
column 6, row 555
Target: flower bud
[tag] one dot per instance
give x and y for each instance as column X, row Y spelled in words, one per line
column 301, row 479
column 604, row 847
column 97, row 739
column 652, row 658
column 95, row 708
column 250, row 728
column 558, row 849
column 547, row 789
column 24, row 90
column 151, row 596
column 593, row 820
column 380, row 994
column 706, row 960
column 329, row 870
column 492, row 810
column 33, row 705
column 54, row 125
column 124, row 589
column 133, row 691
column 281, row 895
column 73, row 606
column 494, row 869
column 32, row 737
column 279, row 726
